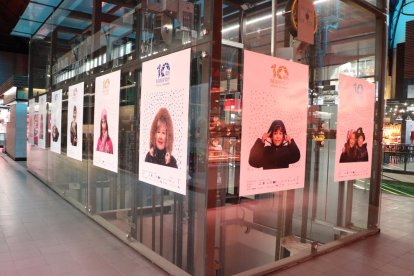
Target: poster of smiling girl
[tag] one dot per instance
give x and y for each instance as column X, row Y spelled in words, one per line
column 106, row 121
column 273, row 142
column 355, row 128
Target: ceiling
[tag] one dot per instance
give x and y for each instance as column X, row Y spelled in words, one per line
column 10, row 12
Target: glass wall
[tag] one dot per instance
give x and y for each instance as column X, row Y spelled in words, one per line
column 211, row 230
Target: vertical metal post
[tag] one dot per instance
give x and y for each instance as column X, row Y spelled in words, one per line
column 349, row 198
column 191, row 232
column 180, row 231
column 315, row 182
column 136, row 188
column 340, row 210
column 306, row 194
column 153, row 211
column 380, row 75
column 280, row 195
column 215, row 7
column 280, row 220
column 161, row 220
column 175, row 230
column 53, row 42
column 91, row 194
column 96, row 27
column 274, row 29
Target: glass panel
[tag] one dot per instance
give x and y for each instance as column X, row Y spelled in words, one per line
column 170, row 224
column 37, row 12
column 259, row 229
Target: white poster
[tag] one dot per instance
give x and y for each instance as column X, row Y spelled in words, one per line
column 355, row 130
column 106, row 121
column 31, row 120
column 56, row 122
column 42, row 125
column 164, row 121
column 75, row 121
column 273, row 145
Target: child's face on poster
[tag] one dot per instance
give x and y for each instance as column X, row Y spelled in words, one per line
column 277, row 137
column 360, row 141
column 352, row 140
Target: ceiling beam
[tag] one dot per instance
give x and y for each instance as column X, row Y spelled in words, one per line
column 107, row 18
column 121, row 3
column 68, row 30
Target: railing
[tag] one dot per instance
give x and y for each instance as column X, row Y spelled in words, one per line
column 398, row 158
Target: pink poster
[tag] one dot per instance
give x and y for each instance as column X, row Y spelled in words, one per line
column 106, row 117
column 354, row 134
column 273, row 146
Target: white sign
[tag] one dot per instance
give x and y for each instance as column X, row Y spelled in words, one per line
column 355, row 131
column 273, row 145
column 164, row 121
column 75, row 121
column 42, row 123
column 56, row 121
column 105, row 142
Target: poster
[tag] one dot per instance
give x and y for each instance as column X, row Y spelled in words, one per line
column 164, row 121
column 355, row 129
column 56, row 122
column 273, row 145
column 105, row 128
column 31, row 120
column 75, row 121
column 41, row 121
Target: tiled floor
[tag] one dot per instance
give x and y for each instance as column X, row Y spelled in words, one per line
column 41, row 234
column 389, row 253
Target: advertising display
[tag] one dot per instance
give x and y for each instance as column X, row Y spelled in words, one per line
column 164, row 121
column 56, row 122
column 75, row 121
column 31, row 120
column 354, row 136
column 105, row 128
column 42, row 124
column 273, row 145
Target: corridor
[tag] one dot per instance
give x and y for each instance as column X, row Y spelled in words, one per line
column 41, row 234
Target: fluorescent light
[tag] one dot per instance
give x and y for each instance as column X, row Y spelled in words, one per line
column 231, row 28
column 11, row 91
column 264, row 17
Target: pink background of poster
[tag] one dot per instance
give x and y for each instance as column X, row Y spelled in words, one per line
column 107, row 97
column 170, row 92
column 355, row 109
column 75, row 98
column 274, row 94
column 56, row 115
